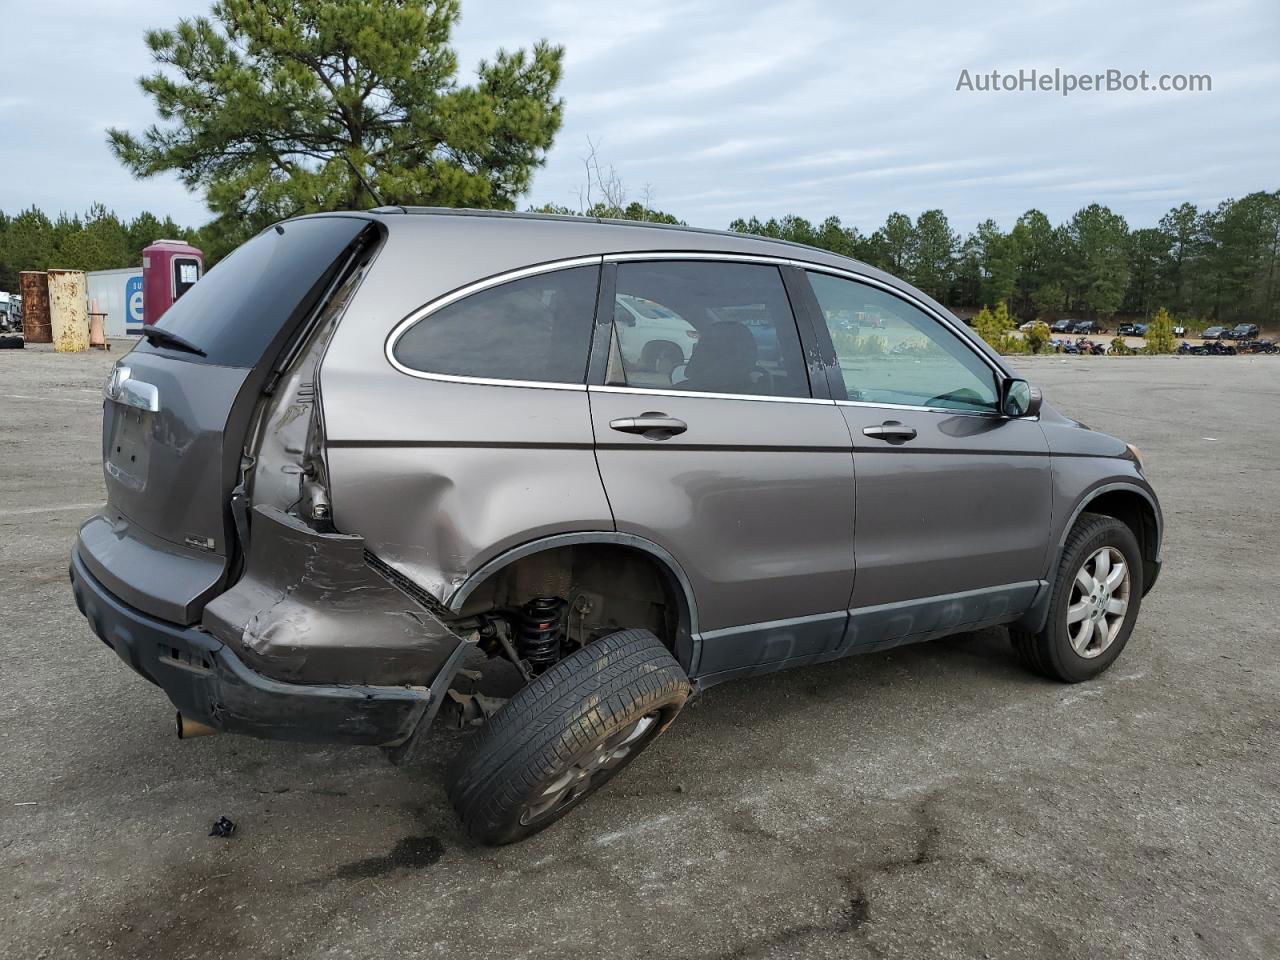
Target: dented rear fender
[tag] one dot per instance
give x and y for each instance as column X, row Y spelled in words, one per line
column 310, row 609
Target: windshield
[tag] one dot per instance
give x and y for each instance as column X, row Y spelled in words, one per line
column 238, row 307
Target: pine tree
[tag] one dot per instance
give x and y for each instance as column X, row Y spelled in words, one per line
column 280, row 107
column 1160, row 333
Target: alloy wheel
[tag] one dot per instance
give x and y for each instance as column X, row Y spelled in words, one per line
column 1099, row 600
column 589, row 769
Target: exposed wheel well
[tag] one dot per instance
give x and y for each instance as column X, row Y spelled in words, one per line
column 608, row 586
column 1135, row 512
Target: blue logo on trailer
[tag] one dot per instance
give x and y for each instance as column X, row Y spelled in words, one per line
column 133, row 303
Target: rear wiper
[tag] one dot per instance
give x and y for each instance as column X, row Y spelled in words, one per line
column 167, row 338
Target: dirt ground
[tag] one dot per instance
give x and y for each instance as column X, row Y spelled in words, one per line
column 934, row 801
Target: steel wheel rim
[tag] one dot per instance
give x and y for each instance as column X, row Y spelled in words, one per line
column 1098, row 602
column 589, row 769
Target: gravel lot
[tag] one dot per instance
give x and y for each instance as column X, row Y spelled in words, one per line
column 931, row 801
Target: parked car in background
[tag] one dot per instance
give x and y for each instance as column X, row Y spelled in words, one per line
column 658, row 339
column 1088, row 326
column 1241, row 331
column 1062, row 326
column 1213, row 333
column 347, row 491
column 1132, row 330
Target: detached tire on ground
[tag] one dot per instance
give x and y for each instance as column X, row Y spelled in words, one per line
column 565, row 735
column 1096, row 596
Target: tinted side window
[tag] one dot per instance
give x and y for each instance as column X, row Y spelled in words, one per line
column 536, row 328
column 707, row 327
column 893, row 352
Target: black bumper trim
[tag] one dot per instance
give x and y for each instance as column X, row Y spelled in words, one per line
column 209, row 683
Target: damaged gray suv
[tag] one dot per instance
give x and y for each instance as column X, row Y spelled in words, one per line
column 555, row 475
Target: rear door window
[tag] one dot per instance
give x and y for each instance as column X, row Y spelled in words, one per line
column 536, row 329
column 707, row 327
column 244, row 301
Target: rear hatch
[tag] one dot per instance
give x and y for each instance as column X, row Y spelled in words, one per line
column 174, row 422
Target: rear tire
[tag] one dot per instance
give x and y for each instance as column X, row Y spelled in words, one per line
column 1089, row 622
column 565, row 735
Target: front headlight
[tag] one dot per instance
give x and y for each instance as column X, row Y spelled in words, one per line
column 1137, row 456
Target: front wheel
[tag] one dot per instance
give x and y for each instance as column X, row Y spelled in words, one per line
column 1095, row 603
column 565, row 735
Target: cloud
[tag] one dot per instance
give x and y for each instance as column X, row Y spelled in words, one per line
column 813, row 107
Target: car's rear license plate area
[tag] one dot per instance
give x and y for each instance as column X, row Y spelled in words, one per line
column 128, row 455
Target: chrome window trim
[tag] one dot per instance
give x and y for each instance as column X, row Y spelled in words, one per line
column 727, row 257
column 953, row 411
column 659, row 392
column 917, row 409
column 424, row 311
column 656, row 255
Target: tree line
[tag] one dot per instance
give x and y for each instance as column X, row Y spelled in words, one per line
column 276, row 109
column 98, row 240
column 1220, row 264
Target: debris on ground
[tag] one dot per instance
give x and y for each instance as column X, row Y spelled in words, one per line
column 222, row 827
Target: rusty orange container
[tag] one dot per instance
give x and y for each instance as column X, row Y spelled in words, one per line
column 34, row 286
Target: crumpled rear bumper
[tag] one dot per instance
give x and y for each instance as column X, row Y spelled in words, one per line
column 309, row 646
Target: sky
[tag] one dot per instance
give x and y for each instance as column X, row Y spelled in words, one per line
column 732, row 108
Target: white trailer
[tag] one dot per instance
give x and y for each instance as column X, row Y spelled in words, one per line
column 119, row 295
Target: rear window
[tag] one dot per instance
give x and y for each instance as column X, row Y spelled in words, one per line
column 535, row 329
column 240, row 305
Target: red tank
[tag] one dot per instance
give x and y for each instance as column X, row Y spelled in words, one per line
column 169, row 269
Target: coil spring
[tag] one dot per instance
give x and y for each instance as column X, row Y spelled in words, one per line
column 540, row 638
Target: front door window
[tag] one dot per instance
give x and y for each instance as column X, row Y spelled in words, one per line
column 891, row 352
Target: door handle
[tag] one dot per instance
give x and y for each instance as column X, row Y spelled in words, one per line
column 659, row 425
column 891, row 431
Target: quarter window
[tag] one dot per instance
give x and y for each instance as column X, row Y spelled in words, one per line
column 536, row 328
column 892, row 352
column 706, row 327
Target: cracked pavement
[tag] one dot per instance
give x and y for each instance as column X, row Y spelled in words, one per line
column 934, row 800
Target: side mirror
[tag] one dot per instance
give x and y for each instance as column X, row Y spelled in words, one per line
column 1019, row 398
